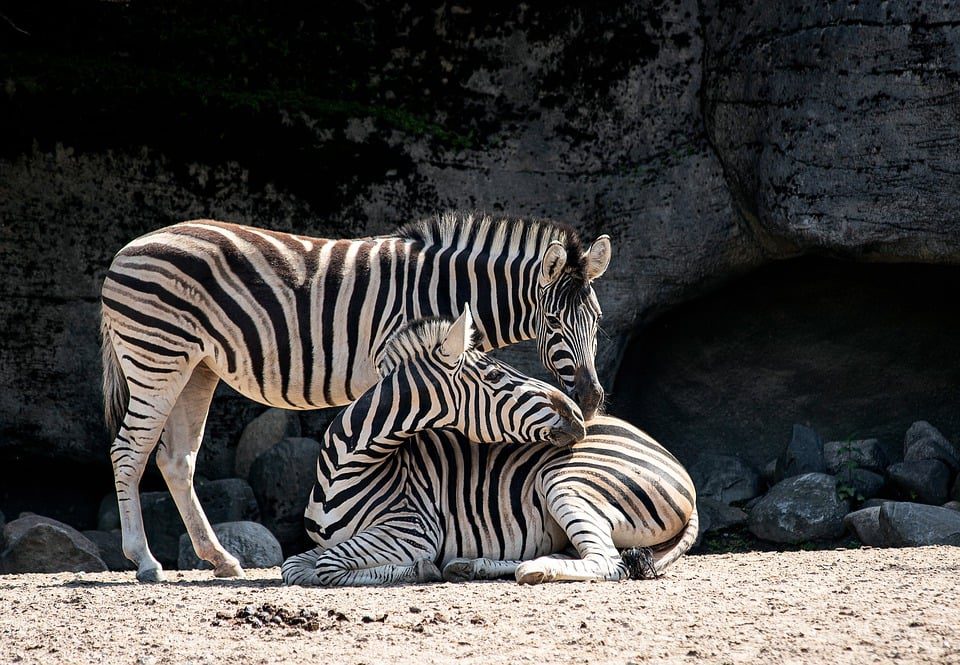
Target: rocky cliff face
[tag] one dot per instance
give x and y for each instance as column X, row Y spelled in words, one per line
column 706, row 141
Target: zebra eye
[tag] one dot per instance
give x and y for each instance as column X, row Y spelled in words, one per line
column 494, row 375
column 553, row 321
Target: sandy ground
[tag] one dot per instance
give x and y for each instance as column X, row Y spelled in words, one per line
column 866, row 605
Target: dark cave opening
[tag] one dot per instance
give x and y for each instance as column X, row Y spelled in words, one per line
column 854, row 350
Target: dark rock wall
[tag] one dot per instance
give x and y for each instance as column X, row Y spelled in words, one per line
column 837, row 123
column 854, row 350
column 705, row 141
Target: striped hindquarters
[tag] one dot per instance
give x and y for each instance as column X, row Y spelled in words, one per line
column 630, row 479
column 286, row 320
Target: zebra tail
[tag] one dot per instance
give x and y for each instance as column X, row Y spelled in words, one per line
column 688, row 537
column 116, row 395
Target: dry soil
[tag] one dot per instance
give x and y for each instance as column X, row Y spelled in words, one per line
column 867, row 605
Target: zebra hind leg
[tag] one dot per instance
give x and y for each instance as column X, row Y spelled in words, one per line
column 177, row 457
column 139, row 432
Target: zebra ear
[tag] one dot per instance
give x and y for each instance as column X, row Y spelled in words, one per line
column 597, row 258
column 554, row 261
column 457, row 341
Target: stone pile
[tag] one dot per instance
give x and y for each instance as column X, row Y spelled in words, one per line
column 818, row 492
column 257, row 516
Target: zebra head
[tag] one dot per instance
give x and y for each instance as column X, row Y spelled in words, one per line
column 458, row 387
column 568, row 318
column 498, row 404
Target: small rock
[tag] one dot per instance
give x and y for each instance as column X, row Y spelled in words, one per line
column 865, row 525
column 108, row 515
column 863, row 454
column 263, row 433
column 36, row 544
column 252, row 544
column 282, row 479
column 952, row 505
column 804, row 454
column 926, row 481
column 724, row 478
column 923, row 441
column 861, row 484
column 800, row 508
column 110, row 545
column 769, row 473
column 905, row 524
column 716, row 515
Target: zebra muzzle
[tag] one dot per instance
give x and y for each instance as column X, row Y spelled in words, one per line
column 569, row 428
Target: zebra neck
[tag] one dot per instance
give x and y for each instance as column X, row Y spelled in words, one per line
column 372, row 428
column 501, row 289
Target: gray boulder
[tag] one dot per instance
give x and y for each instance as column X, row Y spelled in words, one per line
column 724, row 478
column 905, row 524
column 262, row 433
column 926, row 481
column 952, row 505
column 860, row 483
column 282, row 479
column 110, row 546
column 923, row 441
column 717, row 515
column 252, row 544
column 227, row 500
column 800, row 508
column 864, row 454
column 804, row 454
column 36, row 544
column 108, row 515
column 865, row 525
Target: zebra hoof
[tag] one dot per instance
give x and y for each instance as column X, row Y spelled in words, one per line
column 460, row 570
column 530, row 575
column 228, row 569
column 427, row 571
column 151, row 575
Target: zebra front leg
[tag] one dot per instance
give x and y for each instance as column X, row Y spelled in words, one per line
column 374, row 557
column 177, row 458
column 589, row 533
column 467, row 570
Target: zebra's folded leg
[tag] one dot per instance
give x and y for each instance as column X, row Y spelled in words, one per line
column 177, row 457
column 372, row 557
column 467, row 570
column 552, row 569
column 590, row 535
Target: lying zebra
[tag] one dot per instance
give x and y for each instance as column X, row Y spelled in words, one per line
column 432, row 494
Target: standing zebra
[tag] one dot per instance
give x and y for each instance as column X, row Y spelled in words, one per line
column 297, row 322
column 430, row 495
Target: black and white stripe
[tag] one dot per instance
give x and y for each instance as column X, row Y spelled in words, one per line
column 437, row 498
column 361, row 509
column 297, row 322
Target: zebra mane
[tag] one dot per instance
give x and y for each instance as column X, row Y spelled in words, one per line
column 462, row 228
column 416, row 339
